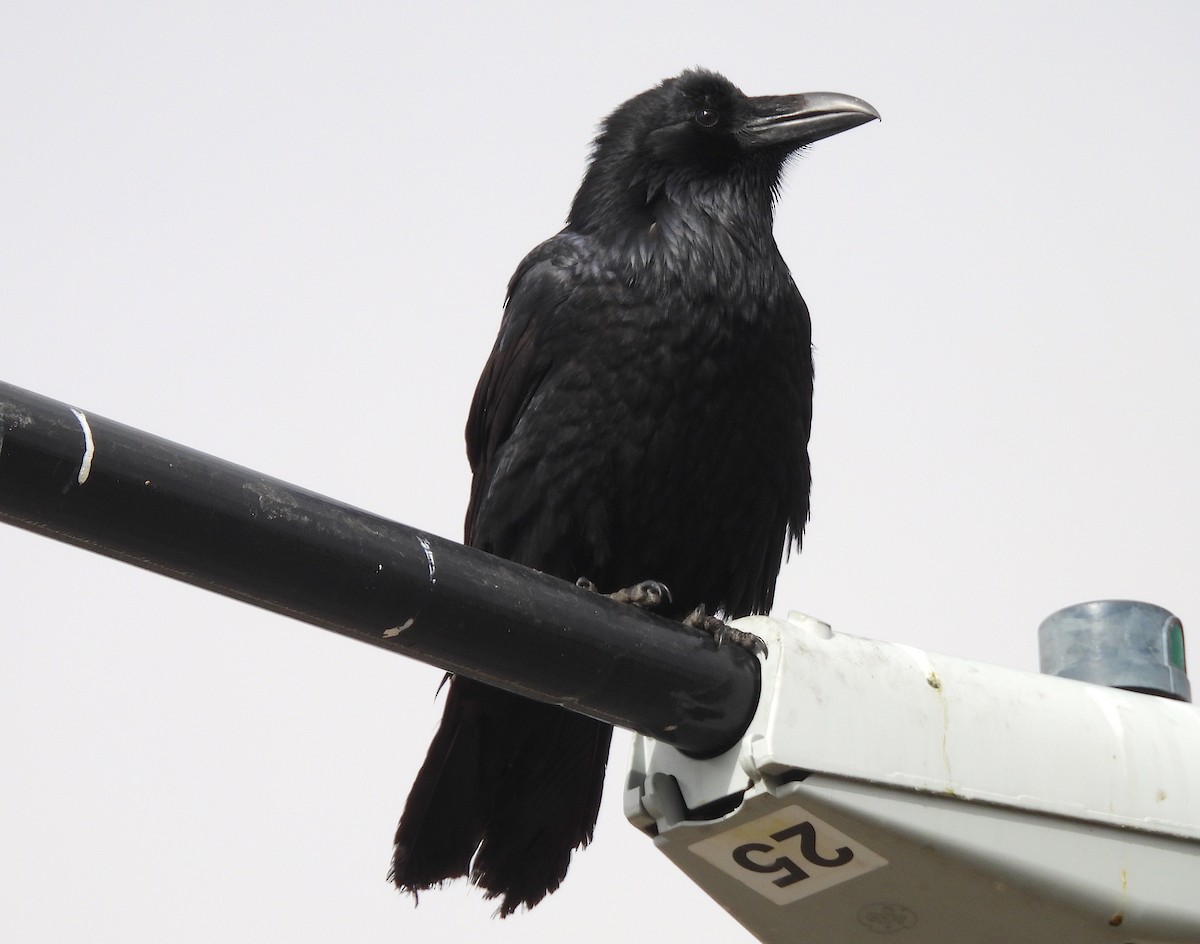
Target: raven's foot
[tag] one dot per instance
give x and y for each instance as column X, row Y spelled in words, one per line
column 723, row 633
column 647, row 595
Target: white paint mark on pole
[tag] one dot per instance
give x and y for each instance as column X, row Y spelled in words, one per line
column 397, row 630
column 89, row 446
column 429, row 557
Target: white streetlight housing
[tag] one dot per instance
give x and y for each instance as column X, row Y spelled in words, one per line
column 883, row 793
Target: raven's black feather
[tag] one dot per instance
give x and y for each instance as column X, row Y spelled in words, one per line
column 644, row 414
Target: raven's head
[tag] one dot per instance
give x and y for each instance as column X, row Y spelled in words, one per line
column 698, row 132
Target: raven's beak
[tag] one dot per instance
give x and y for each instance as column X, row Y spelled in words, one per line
column 797, row 120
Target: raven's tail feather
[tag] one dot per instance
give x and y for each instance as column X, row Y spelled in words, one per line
column 446, row 810
column 517, row 780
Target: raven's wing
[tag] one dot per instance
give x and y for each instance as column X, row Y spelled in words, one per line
column 518, row 363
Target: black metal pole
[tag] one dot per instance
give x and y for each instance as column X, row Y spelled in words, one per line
column 98, row 484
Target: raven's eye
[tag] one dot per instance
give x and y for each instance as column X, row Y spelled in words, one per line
column 706, row 117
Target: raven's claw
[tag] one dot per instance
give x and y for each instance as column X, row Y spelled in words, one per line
column 647, row 595
column 722, row 632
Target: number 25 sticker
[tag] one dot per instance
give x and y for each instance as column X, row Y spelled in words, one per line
column 788, row 855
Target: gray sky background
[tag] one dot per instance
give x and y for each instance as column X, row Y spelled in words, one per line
column 280, row 233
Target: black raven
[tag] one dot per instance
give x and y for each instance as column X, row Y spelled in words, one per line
column 644, row 414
